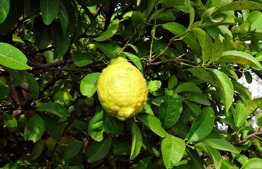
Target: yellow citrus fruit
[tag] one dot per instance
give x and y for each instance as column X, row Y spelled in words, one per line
column 122, row 89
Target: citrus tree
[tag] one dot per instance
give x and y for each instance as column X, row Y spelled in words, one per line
column 191, row 54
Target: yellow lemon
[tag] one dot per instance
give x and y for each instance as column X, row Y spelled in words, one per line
column 122, row 89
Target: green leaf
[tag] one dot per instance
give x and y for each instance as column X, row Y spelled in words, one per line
column 238, row 5
column 88, row 84
column 10, row 121
column 73, row 149
column 137, row 140
column 53, row 128
column 202, row 74
column 178, row 30
column 109, row 32
column 122, row 148
column 172, row 82
column 33, row 84
column 53, row 108
column 242, row 90
column 34, row 128
column 216, row 156
column 146, row 163
column 63, row 17
column 61, row 42
column 3, row 90
column 4, row 9
column 220, row 144
column 255, row 18
column 42, row 33
column 240, row 115
column 193, row 107
column 218, row 49
column 252, row 105
column 49, row 10
column 12, row 57
column 205, row 42
column 202, row 125
column 253, row 163
column 170, row 110
column 98, row 150
column 154, row 85
column 38, row 149
column 224, row 87
column 83, row 59
column 239, row 57
column 109, row 49
column 113, row 125
column 195, row 157
column 172, row 149
column 153, row 123
column 96, row 125
column 134, row 59
column 187, row 87
column 198, row 98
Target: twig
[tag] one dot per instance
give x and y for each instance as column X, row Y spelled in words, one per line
column 251, row 135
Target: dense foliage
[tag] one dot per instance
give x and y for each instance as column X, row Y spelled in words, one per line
column 191, row 53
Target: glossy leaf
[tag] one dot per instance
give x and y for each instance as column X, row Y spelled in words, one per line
column 63, row 17
column 109, row 32
column 178, row 30
column 220, row 144
column 61, row 42
column 238, row 5
column 242, row 90
column 83, row 59
column 240, row 115
column 98, row 150
column 205, row 42
column 42, row 33
column 113, row 125
column 146, row 163
column 53, row 128
column 137, row 140
column 53, row 108
column 109, row 49
column 172, row 82
column 172, row 149
column 154, row 85
column 3, row 90
column 153, row 123
column 239, row 57
column 252, row 105
column 255, row 18
column 134, row 59
column 32, row 84
column 4, row 9
column 88, row 84
column 38, row 149
column 224, row 87
column 202, row 74
column 72, row 149
column 12, row 57
column 253, row 163
column 34, row 128
column 187, row 87
column 49, row 10
column 96, row 125
column 202, row 125
column 10, row 121
column 170, row 110
column 198, row 98
column 216, row 156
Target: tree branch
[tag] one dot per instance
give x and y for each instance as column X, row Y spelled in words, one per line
column 251, row 135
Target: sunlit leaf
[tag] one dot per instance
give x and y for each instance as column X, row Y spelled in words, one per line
column 88, row 84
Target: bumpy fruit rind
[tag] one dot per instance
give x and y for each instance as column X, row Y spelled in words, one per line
column 122, row 89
